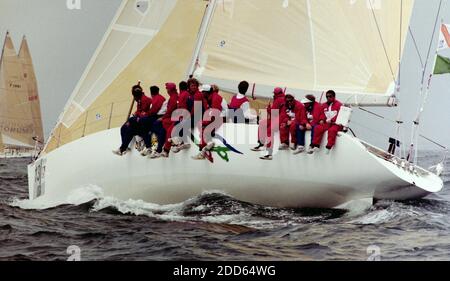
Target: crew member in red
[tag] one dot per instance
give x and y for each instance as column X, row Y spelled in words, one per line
column 307, row 121
column 265, row 128
column 288, row 126
column 213, row 102
column 329, row 114
column 189, row 93
column 239, row 107
column 150, row 123
column 197, row 96
column 184, row 101
column 132, row 127
column 166, row 120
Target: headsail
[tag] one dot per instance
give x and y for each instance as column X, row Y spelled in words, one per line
column 351, row 46
column 162, row 53
column 135, row 25
column 16, row 119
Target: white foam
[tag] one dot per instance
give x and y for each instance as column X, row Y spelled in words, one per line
column 76, row 197
column 375, row 217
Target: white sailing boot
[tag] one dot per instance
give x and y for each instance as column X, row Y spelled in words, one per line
column 139, row 145
column 299, row 150
column 268, row 156
column 164, row 154
column 119, row 152
column 182, row 146
column 176, row 141
column 154, row 155
column 259, row 147
column 209, row 146
column 293, row 146
column 283, row 146
column 146, row 151
column 311, row 150
column 200, row 156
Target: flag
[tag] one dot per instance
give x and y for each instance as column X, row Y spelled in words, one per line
column 442, row 65
column 444, row 37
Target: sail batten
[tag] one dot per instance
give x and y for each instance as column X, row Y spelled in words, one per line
column 349, row 46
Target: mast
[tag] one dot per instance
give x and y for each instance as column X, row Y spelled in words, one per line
column 202, row 35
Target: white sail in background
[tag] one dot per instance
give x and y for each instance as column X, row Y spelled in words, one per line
column 134, row 26
column 16, row 118
column 351, row 46
column 154, row 46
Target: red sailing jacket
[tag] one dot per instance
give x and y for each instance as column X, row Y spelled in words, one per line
column 215, row 101
column 278, row 103
column 316, row 114
column 183, row 100
column 198, row 96
column 237, row 103
column 172, row 105
column 143, row 107
column 298, row 110
column 157, row 103
column 336, row 106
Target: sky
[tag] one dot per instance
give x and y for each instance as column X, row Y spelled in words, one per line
column 62, row 41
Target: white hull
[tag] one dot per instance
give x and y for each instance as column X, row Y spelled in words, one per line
column 349, row 172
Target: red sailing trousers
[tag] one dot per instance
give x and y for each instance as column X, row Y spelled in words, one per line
column 320, row 130
column 168, row 125
column 286, row 130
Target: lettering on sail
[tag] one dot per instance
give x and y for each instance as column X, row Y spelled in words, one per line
column 14, row 86
column 13, row 128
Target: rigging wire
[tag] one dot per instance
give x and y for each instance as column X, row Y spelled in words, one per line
column 397, row 89
column 382, row 40
column 416, row 47
column 377, row 115
column 416, row 122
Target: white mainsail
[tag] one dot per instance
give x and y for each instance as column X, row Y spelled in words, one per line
column 154, row 45
column 16, row 118
column 307, row 45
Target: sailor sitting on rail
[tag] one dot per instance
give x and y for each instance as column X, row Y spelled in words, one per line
column 189, row 95
column 166, row 121
column 329, row 114
column 307, row 121
column 292, row 107
column 265, row 127
column 213, row 119
column 185, row 102
column 132, row 127
column 149, row 124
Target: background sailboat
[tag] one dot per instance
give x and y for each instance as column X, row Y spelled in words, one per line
column 20, row 116
column 306, row 46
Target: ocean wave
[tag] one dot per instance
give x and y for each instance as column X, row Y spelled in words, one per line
column 387, row 211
